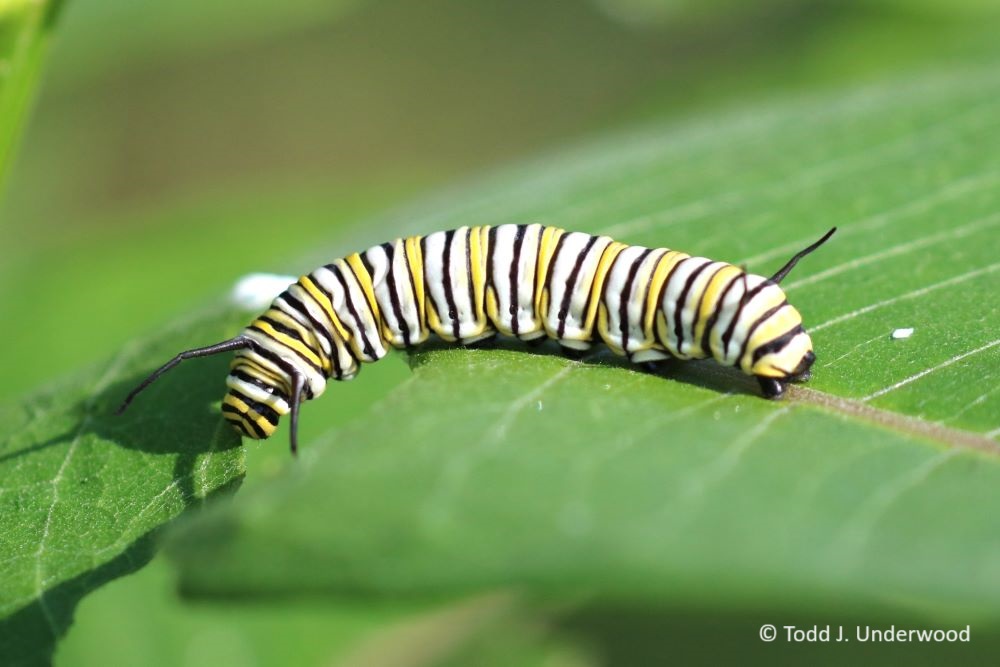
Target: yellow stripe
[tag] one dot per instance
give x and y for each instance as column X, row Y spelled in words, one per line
column 434, row 321
column 660, row 273
column 284, row 318
column 243, row 423
column 600, row 275
column 306, row 333
column 492, row 307
column 662, row 332
column 478, row 248
column 244, row 409
column 325, row 304
column 777, row 324
column 710, row 299
column 291, row 343
column 416, row 259
column 361, row 274
column 602, row 329
column 271, row 375
column 550, row 237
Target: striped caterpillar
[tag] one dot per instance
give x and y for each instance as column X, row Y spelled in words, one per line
column 524, row 281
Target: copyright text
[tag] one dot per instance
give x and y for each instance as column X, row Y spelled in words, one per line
column 862, row 633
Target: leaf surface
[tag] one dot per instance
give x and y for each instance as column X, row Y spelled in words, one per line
column 84, row 490
column 505, row 467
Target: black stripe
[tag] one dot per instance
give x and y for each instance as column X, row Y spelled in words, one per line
column 334, row 355
column 317, row 328
column 421, row 307
column 329, row 297
column 240, row 428
column 263, row 410
column 282, row 328
column 257, row 432
column 757, row 323
column 397, row 310
column 368, row 267
column 373, row 305
column 679, row 308
column 777, row 344
column 257, row 382
column 698, row 307
column 590, row 288
column 707, row 335
column 534, row 275
column 335, row 347
column 645, row 302
column 623, row 299
column 515, row 297
column 551, row 267
column 449, row 289
column 289, row 370
column 366, row 344
column 290, row 333
column 604, row 287
column 570, row 284
column 663, row 292
column 727, row 335
column 492, row 240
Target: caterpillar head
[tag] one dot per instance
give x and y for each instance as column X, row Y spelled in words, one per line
column 787, row 357
column 781, row 349
column 255, row 400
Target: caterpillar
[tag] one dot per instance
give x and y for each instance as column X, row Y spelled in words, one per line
column 524, row 281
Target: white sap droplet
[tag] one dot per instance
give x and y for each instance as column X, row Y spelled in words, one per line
column 897, row 334
column 256, row 290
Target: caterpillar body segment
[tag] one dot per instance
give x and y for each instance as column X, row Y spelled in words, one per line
column 523, row 281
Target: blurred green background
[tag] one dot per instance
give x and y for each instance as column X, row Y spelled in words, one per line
column 173, row 147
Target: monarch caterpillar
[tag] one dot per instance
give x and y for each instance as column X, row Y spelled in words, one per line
column 525, row 281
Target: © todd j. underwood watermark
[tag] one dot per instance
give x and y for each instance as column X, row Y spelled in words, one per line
column 862, row 633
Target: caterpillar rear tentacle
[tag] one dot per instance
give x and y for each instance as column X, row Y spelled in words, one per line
column 531, row 282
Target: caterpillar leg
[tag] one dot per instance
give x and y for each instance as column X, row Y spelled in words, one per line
column 658, row 366
column 486, row 343
column 772, row 388
column 298, row 383
column 574, row 353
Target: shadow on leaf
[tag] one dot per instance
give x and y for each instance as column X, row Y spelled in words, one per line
column 706, row 374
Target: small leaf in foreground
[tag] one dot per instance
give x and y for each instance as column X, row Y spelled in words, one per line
column 84, row 491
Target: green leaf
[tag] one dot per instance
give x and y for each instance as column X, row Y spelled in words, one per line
column 169, row 632
column 25, row 28
column 84, row 491
column 510, row 467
